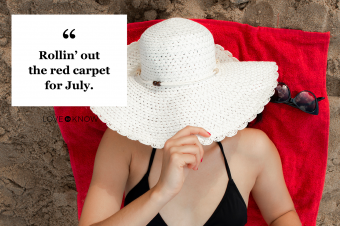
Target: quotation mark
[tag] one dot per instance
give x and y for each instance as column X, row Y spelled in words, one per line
column 66, row 35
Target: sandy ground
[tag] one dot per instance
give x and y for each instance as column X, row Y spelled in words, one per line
column 36, row 181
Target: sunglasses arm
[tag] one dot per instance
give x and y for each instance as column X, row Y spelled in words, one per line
column 320, row 98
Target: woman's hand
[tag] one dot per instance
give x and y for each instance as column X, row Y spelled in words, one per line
column 103, row 200
column 181, row 153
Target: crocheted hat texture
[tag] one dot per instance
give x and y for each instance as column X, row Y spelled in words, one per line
column 177, row 76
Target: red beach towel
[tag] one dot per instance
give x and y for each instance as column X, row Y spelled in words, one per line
column 301, row 139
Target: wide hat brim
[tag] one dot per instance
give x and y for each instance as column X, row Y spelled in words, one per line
column 222, row 104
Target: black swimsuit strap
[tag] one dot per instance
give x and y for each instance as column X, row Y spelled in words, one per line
column 225, row 160
column 151, row 160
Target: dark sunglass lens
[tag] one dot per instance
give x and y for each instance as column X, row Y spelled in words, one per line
column 281, row 93
column 306, row 101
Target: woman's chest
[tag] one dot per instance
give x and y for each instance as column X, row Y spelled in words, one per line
column 203, row 192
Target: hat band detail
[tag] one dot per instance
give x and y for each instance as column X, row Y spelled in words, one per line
column 159, row 83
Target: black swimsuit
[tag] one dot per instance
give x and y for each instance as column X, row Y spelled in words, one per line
column 231, row 211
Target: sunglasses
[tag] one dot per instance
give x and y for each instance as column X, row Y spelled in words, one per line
column 305, row 100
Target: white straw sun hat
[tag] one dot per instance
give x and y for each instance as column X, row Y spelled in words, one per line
column 178, row 76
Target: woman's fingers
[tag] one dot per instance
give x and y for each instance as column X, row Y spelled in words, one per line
column 194, row 150
column 185, row 141
column 189, row 140
column 189, row 130
column 184, row 159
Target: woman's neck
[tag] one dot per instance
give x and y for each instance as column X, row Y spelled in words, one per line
column 210, row 147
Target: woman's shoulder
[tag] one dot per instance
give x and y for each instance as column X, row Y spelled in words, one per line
column 117, row 144
column 114, row 144
column 252, row 132
column 255, row 144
